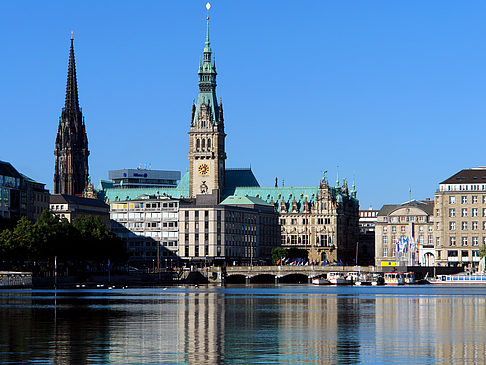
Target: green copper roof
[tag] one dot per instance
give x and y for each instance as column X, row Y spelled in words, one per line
column 244, row 200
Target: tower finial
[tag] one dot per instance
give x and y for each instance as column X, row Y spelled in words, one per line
column 208, row 6
column 337, row 176
column 72, row 35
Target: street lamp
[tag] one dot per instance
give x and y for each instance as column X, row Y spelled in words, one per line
column 357, row 243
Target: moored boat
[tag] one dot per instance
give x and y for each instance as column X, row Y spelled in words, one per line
column 410, row 278
column 394, row 278
column 320, row 281
column 339, row 278
column 459, row 279
column 364, row 279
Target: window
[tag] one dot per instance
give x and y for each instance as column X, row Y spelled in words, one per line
column 394, row 229
column 474, row 226
column 421, row 239
column 474, row 199
column 430, row 239
column 464, row 241
column 452, row 226
column 464, row 212
column 437, row 241
column 452, row 241
column 475, row 241
column 452, row 212
column 452, row 199
column 464, row 226
column 437, row 212
column 464, row 253
column 474, row 212
column 385, row 229
column 484, row 212
column 463, row 199
column 402, row 229
column 484, row 199
column 421, row 228
column 385, row 251
column 452, row 253
column 385, row 240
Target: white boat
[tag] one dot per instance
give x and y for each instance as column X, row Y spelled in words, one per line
column 339, row 278
column 320, row 281
column 394, row 278
column 364, row 280
column 377, row 279
column 459, row 279
column 410, row 278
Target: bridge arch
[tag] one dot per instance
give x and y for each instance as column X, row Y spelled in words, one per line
column 262, row 279
column 294, row 278
column 235, row 279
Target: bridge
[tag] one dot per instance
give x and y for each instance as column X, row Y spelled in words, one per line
column 275, row 274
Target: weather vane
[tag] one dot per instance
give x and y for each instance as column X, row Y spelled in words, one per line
column 72, row 34
column 208, row 6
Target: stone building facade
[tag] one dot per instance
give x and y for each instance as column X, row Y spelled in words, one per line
column 326, row 227
column 240, row 230
column 70, row 207
column 71, row 167
column 413, row 220
column 460, row 216
column 207, row 154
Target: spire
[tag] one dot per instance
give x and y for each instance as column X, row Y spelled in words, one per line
column 207, row 82
column 71, row 103
column 337, row 177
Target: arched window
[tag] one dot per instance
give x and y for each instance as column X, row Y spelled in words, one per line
column 209, row 144
column 203, row 144
column 197, row 144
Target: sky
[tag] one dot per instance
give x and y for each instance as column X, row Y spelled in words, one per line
column 388, row 93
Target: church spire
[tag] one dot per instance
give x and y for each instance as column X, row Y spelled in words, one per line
column 71, row 170
column 71, row 103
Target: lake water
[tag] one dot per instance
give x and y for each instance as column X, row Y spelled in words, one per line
column 293, row 324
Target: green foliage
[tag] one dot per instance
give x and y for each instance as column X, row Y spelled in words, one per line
column 85, row 241
column 278, row 253
column 482, row 251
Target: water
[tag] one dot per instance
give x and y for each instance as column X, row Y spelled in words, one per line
column 287, row 324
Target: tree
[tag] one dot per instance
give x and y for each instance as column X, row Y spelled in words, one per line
column 482, row 251
column 278, row 253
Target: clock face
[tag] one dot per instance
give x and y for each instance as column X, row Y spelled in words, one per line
column 203, row 169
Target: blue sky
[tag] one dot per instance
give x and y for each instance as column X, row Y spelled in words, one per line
column 392, row 92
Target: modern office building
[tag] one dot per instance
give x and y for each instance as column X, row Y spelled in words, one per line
column 144, row 178
column 404, row 234
column 20, row 195
column 149, row 226
column 71, row 168
column 460, row 218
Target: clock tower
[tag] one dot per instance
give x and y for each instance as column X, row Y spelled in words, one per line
column 206, row 148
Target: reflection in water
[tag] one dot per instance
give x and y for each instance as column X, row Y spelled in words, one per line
column 284, row 324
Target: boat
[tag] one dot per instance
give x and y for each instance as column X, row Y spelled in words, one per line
column 320, row 281
column 339, row 278
column 394, row 278
column 377, row 279
column 459, row 279
column 363, row 279
column 410, row 278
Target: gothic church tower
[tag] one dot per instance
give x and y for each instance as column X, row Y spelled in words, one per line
column 71, row 172
column 206, row 148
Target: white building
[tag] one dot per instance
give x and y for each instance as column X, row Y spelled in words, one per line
column 150, row 227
